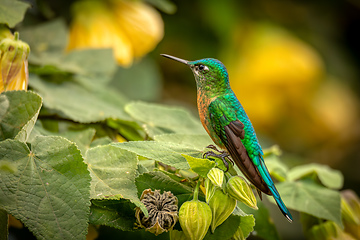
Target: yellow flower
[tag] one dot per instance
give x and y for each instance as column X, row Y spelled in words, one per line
column 130, row 28
column 13, row 64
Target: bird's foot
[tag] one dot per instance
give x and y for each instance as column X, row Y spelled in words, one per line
column 223, row 155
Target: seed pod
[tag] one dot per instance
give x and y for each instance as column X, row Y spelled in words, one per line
column 222, row 205
column 195, row 218
column 216, row 176
column 162, row 210
column 239, row 189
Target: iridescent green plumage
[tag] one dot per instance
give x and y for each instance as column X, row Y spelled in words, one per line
column 226, row 122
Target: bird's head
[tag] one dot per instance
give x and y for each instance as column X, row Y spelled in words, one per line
column 210, row 73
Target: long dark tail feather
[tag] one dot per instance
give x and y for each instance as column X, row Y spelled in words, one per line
column 254, row 170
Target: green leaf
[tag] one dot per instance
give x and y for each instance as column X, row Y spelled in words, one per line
column 84, row 105
column 160, row 181
column 264, row 227
column 159, row 119
column 12, row 12
column 167, row 153
column 82, row 138
column 226, row 230
column 199, row 165
column 18, row 113
column 145, row 74
column 47, row 42
column 113, row 173
column 164, row 5
column 119, row 214
column 330, row 178
column 195, row 141
column 4, row 219
column 311, row 198
column 49, row 190
column 276, row 168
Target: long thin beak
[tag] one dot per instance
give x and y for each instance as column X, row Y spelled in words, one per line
column 175, row 58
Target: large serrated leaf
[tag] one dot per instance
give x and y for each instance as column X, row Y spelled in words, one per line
column 48, row 189
column 113, row 173
column 159, row 119
column 199, row 165
column 195, row 141
column 12, row 12
column 330, row 178
column 311, row 198
column 168, row 153
column 18, row 114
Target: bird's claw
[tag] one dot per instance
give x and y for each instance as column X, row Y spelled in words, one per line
column 224, row 156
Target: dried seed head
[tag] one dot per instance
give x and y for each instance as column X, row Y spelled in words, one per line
column 162, row 208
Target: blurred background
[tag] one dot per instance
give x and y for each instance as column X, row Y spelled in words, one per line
column 294, row 65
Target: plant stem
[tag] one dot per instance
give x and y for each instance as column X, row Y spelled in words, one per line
column 196, row 192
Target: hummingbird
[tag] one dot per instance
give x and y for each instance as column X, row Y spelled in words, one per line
column 228, row 125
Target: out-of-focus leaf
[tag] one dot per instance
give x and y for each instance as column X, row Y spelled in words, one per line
column 311, row 198
column 140, row 82
column 113, row 173
column 195, row 141
column 168, row 153
column 199, row 165
column 18, row 113
column 328, row 230
column 80, row 104
column 164, row 5
column 49, row 189
column 12, row 12
column 119, row 214
column 330, row 178
column 158, row 119
column 47, row 42
column 276, row 168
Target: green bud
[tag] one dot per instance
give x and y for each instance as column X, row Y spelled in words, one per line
column 350, row 212
column 195, row 218
column 239, row 189
column 13, row 64
column 216, row 176
column 222, row 205
column 209, row 189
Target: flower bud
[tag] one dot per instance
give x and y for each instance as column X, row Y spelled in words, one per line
column 162, row 210
column 216, row 176
column 13, row 64
column 209, row 189
column 195, row 218
column 222, row 205
column 239, row 189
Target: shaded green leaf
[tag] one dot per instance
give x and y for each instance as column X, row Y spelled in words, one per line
column 159, row 119
column 113, row 173
column 4, row 219
column 167, row 153
column 330, row 178
column 311, row 198
column 226, row 230
column 264, row 226
column 18, row 114
column 78, row 103
column 12, row 12
column 49, row 191
column 199, row 165
column 119, row 214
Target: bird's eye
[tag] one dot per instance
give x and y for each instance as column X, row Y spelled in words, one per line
column 202, row 67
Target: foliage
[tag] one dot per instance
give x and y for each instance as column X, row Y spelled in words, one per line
column 74, row 150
